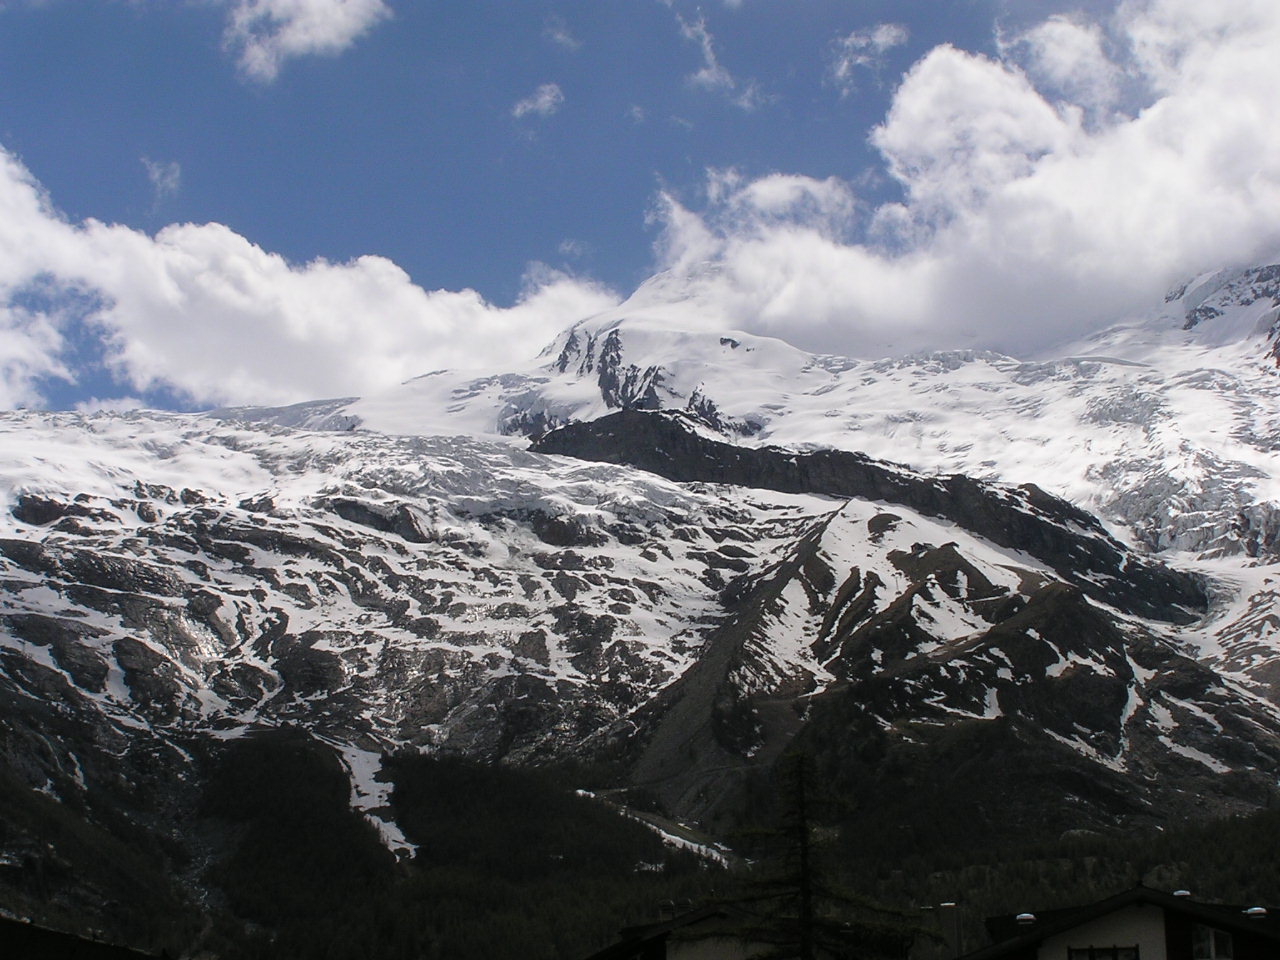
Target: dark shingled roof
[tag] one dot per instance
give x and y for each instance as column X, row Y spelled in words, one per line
column 1011, row 937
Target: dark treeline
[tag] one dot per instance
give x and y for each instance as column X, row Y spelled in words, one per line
column 511, row 863
column 515, row 863
column 896, row 873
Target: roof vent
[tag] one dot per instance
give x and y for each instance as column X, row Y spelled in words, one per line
column 1025, row 919
column 1182, row 893
column 1256, row 913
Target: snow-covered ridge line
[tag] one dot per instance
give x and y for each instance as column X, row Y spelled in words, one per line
column 1164, row 426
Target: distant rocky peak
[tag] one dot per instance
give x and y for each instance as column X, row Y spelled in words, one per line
column 599, row 354
column 1245, row 301
column 570, row 349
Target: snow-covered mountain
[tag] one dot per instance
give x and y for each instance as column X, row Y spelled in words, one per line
column 718, row 546
column 1165, row 425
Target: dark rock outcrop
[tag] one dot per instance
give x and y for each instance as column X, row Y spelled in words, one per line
column 1025, row 518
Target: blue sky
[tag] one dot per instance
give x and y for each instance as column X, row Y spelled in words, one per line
column 268, row 200
column 405, row 144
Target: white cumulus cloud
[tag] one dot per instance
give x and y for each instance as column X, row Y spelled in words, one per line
column 265, row 33
column 1024, row 218
column 1067, row 57
column 962, row 126
column 202, row 311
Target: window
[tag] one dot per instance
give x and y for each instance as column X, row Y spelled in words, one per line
column 1210, row 944
column 1102, row 953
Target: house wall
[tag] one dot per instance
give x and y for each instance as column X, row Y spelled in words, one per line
column 1142, row 924
column 1248, row 945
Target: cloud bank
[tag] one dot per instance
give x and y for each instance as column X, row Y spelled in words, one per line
column 1066, row 183
column 201, row 311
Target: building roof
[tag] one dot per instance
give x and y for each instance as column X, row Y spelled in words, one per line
column 20, row 940
column 634, row 938
column 1012, row 937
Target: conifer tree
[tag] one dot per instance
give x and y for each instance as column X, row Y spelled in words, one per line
column 792, row 904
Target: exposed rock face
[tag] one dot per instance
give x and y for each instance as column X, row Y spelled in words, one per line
column 1047, row 709
column 1214, row 295
column 622, row 386
column 1023, row 518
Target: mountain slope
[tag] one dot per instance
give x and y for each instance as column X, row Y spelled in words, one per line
column 1042, row 590
column 1163, row 426
column 391, row 593
column 908, row 632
